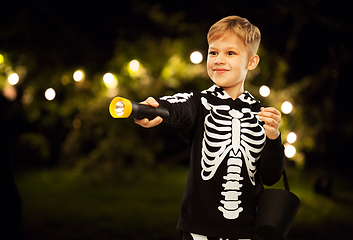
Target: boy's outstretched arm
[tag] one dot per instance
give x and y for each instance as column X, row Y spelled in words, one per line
column 272, row 118
column 145, row 122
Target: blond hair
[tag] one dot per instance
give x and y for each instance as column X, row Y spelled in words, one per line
column 241, row 27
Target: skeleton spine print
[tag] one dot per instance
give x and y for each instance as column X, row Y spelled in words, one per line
column 235, row 135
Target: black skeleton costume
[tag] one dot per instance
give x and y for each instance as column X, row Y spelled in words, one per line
column 229, row 151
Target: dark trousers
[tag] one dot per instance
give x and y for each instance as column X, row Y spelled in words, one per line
column 188, row 236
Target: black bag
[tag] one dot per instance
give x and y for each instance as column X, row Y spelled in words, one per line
column 276, row 210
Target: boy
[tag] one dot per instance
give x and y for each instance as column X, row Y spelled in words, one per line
column 234, row 139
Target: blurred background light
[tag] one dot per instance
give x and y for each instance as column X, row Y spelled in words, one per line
column 1, row 60
column 291, row 137
column 264, row 91
column 110, row 80
column 13, row 78
column 287, row 107
column 76, row 123
column 50, row 94
column 65, row 79
column 289, row 150
column 134, row 65
column 196, row 57
column 78, row 75
column 10, row 92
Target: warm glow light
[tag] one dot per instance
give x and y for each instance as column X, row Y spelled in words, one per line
column 134, row 65
column 291, row 137
column 289, row 150
column 50, row 94
column 264, row 91
column 110, row 80
column 13, row 78
column 78, row 75
column 10, row 92
column 196, row 57
column 1, row 59
column 287, row 107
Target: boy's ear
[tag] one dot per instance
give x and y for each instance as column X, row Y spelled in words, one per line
column 253, row 62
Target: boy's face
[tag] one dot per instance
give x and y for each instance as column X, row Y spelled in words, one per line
column 228, row 62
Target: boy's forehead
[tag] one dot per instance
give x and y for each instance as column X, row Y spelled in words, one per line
column 231, row 39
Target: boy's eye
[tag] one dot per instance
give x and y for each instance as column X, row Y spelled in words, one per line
column 231, row 53
column 213, row 53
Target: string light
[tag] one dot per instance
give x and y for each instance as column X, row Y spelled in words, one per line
column 13, row 79
column 287, row 107
column 196, row 57
column 110, row 80
column 78, row 75
column 50, row 94
column 289, row 150
column 134, row 65
column 291, row 137
column 264, row 91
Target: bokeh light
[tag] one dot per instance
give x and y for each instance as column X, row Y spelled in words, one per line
column 10, row 92
column 196, row 57
column 289, row 150
column 291, row 137
column 110, row 80
column 134, row 65
column 1, row 60
column 78, row 75
column 50, row 94
column 287, row 107
column 13, row 79
column 264, row 91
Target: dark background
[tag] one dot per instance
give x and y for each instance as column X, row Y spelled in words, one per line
column 313, row 37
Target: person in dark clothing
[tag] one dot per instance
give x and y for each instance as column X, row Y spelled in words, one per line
column 234, row 139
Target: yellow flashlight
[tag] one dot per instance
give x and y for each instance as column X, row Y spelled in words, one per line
column 123, row 108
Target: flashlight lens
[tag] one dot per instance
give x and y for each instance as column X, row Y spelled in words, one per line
column 119, row 108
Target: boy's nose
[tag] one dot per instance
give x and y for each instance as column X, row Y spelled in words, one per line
column 219, row 60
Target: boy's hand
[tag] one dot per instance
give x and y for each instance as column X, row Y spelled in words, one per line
column 145, row 122
column 272, row 118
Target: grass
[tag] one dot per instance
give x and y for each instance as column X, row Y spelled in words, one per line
column 63, row 204
column 59, row 204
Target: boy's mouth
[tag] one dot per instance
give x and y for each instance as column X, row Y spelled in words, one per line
column 220, row 70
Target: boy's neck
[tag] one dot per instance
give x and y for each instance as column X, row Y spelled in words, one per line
column 235, row 92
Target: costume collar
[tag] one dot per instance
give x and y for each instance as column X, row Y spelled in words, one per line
column 219, row 92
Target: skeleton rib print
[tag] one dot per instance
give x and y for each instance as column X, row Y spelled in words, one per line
column 235, row 135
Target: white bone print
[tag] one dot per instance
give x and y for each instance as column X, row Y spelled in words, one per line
column 238, row 135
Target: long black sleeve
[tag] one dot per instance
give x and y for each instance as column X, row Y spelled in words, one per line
column 271, row 164
column 184, row 114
